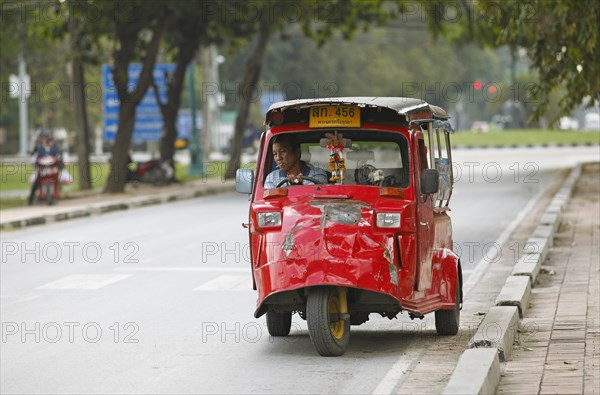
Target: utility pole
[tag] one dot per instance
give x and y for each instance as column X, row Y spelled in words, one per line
column 211, row 99
column 24, row 89
column 196, row 165
column 215, row 107
column 513, row 80
column 207, row 92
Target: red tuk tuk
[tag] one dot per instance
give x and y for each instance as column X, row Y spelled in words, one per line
column 364, row 228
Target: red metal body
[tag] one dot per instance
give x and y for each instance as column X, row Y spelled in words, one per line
column 410, row 268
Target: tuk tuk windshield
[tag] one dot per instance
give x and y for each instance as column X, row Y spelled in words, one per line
column 356, row 157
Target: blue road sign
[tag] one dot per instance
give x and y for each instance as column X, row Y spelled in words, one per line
column 148, row 119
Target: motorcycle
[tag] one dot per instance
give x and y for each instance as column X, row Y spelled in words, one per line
column 153, row 172
column 48, row 179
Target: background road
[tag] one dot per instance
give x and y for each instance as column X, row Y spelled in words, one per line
column 159, row 299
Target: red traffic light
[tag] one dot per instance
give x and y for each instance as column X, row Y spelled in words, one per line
column 477, row 85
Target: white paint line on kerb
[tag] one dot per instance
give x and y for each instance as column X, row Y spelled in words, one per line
column 398, row 372
column 481, row 267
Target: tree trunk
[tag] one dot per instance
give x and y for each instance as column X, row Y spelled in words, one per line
column 120, row 151
column 167, row 141
column 128, row 101
column 169, row 111
column 175, row 84
column 81, row 123
column 246, row 91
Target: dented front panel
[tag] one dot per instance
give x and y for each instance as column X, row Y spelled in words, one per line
column 323, row 241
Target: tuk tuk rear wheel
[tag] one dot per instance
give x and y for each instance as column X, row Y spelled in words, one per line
column 279, row 324
column 447, row 321
column 329, row 330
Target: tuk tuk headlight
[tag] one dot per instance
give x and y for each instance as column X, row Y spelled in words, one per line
column 388, row 220
column 269, row 219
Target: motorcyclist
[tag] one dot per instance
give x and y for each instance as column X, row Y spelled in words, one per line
column 48, row 146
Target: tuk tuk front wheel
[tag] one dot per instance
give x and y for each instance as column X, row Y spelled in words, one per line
column 447, row 321
column 328, row 320
column 279, row 324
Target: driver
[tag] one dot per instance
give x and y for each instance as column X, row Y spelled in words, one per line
column 286, row 153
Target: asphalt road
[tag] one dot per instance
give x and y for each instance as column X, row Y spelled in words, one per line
column 159, row 299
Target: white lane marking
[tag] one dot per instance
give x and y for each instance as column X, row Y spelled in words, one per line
column 398, row 372
column 9, row 296
column 19, row 298
column 481, row 267
column 181, row 269
column 227, row 283
column 85, row 281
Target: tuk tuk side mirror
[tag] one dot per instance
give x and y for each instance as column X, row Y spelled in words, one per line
column 244, row 178
column 430, row 181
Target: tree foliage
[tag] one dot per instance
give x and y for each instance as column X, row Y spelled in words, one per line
column 393, row 60
column 319, row 20
column 28, row 27
column 194, row 23
column 560, row 37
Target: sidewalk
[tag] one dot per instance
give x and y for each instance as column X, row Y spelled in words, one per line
column 558, row 347
column 85, row 204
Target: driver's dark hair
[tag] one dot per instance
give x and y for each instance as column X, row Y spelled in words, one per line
column 288, row 139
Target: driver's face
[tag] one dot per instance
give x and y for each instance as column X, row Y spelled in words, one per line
column 285, row 157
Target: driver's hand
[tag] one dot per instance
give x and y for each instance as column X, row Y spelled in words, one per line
column 296, row 180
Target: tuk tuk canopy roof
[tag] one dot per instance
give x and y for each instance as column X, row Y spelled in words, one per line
column 415, row 110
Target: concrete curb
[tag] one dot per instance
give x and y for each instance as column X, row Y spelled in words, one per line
column 476, row 371
column 545, row 232
column 516, row 292
column 537, row 245
column 534, row 254
column 551, row 219
column 528, row 265
column 497, row 330
column 115, row 205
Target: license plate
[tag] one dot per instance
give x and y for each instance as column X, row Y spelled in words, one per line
column 334, row 116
